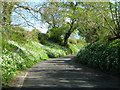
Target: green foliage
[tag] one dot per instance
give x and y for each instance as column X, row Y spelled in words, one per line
column 73, row 48
column 11, row 64
column 17, row 28
column 54, row 50
column 72, row 41
column 36, row 49
column 101, row 55
column 17, row 56
column 22, row 49
column 13, row 33
column 31, row 35
column 55, row 35
column 43, row 38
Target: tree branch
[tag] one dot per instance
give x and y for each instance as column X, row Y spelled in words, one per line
column 27, row 8
column 112, row 13
column 26, row 20
column 112, row 29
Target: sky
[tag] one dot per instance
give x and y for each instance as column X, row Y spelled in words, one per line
column 33, row 23
column 42, row 27
column 16, row 19
column 38, row 24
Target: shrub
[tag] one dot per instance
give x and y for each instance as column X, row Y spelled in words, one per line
column 72, row 41
column 54, row 50
column 20, row 56
column 42, row 38
column 101, row 55
column 36, row 49
column 16, row 58
column 21, row 49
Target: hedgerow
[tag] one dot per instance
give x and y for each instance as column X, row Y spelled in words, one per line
column 17, row 57
column 104, row 56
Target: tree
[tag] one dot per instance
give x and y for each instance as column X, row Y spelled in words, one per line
column 71, row 16
column 55, row 14
column 6, row 12
column 8, row 8
column 90, row 23
column 115, row 14
column 110, row 14
column 97, row 21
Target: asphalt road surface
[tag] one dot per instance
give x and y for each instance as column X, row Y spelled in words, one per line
column 64, row 73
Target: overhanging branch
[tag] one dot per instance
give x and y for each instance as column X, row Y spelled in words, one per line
column 28, row 22
column 27, row 8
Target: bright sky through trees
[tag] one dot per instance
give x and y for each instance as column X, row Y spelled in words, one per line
column 33, row 23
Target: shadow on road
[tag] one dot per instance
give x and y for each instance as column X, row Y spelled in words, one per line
column 63, row 73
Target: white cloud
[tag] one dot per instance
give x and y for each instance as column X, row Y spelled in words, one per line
column 41, row 27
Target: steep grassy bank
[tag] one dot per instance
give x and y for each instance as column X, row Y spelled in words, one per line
column 21, row 49
column 104, row 56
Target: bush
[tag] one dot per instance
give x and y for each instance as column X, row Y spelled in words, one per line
column 72, row 41
column 101, row 55
column 12, row 63
column 74, row 48
column 36, row 50
column 53, row 50
column 42, row 38
column 21, row 49
column 20, row 56
column 15, row 58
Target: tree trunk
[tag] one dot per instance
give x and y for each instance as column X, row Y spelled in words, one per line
column 6, row 13
column 67, row 35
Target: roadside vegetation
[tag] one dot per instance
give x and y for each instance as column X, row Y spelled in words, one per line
column 96, row 25
column 101, row 55
column 22, row 49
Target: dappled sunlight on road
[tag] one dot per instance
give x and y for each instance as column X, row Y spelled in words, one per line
column 62, row 72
